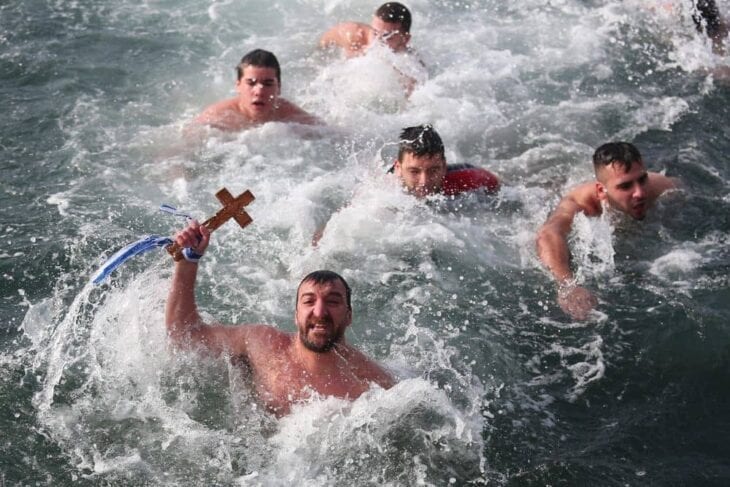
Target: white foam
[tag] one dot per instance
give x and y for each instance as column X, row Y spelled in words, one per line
column 676, row 263
column 523, row 88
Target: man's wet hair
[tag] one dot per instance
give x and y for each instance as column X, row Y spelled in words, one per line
column 421, row 140
column 395, row 13
column 706, row 17
column 261, row 59
column 324, row 277
column 624, row 154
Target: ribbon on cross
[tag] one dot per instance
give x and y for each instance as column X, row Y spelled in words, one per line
column 233, row 208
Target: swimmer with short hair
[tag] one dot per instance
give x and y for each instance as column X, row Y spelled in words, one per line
column 622, row 183
column 391, row 25
column 286, row 368
column 259, row 86
column 422, row 171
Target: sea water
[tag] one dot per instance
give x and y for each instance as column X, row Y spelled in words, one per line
column 496, row 385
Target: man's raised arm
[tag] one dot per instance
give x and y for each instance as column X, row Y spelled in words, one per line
column 184, row 324
column 350, row 36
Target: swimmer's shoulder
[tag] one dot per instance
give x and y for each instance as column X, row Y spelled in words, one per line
column 346, row 34
column 214, row 111
column 291, row 112
column 660, row 183
column 582, row 198
column 265, row 337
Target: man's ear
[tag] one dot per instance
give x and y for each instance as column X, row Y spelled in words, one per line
column 601, row 191
column 396, row 166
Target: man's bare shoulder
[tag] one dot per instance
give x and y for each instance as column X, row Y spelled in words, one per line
column 289, row 112
column 659, row 183
column 258, row 335
column 353, row 29
column 351, row 36
column 582, row 198
column 218, row 108
column 224, row 115
column 366, row 368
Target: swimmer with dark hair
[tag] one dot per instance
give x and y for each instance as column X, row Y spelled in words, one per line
column 286, row 369
column 421, row 169
column 623, row 184
column 390, row 26
column 258, row 101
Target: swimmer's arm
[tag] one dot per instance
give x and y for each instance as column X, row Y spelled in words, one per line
column 185, row 327
column 318, row 233
column 552, row 247
column 351, row 36
column 552, row 240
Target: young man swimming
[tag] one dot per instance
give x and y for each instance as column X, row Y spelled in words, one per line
column 391, row 25
column 259, row 87
column 622, row 183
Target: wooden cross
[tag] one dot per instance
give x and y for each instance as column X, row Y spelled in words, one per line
column 232, row 208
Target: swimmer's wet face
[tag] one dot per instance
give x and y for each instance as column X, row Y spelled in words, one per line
column 625, row 189
column 258, row 89
column 622, row 178
column 322, row 313
column 390, row 34
column 421, row 175
column 421, row 163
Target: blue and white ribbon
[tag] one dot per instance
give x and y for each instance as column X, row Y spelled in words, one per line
column 174, row 211
column 124, row 254
column 141, row 246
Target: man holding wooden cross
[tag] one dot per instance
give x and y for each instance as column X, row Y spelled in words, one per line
column 286, row 368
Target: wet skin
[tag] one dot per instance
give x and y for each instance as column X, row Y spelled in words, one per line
column 421, row 175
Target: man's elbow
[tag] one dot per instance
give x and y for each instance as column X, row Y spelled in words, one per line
column 177, row 334
column 181, row 331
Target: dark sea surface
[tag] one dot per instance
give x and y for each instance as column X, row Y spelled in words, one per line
column 497, row 386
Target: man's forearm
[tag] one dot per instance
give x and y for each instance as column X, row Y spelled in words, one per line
column 181, row 313
column 553, row 251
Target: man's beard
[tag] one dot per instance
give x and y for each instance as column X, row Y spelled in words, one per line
column 326, row 346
